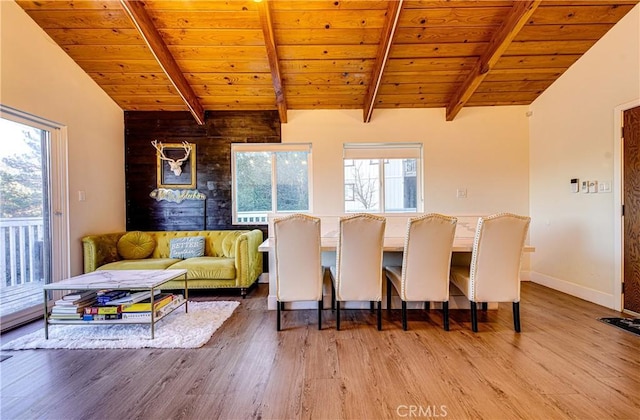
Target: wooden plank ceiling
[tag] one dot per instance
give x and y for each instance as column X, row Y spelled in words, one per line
column 291, row 54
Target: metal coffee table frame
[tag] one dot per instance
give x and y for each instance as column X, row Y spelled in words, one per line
column 132, row 280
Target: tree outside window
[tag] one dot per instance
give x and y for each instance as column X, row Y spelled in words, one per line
column 273, row 180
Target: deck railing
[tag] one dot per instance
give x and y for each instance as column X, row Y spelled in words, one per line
column 21, row 251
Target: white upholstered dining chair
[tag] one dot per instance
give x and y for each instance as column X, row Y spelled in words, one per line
column 357, row 275
column 426, row 262
column 494, row 273
column 298, row 263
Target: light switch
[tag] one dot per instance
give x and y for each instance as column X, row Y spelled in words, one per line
column 82, row 196
column 585, row 186
column 604, row 186
column 461, row 193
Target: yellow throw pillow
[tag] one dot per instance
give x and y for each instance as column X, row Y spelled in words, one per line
column 136, row 245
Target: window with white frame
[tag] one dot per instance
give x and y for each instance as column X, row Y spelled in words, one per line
column 383, row 177
column 268, row 177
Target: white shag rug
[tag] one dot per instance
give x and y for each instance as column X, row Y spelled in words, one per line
column 176, row 330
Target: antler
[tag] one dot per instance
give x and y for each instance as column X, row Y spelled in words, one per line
column 174, row 165
column 187, row 149
column 160, row 148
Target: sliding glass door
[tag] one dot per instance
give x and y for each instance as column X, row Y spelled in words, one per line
column 25, row 218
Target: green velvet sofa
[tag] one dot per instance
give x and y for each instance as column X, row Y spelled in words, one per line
column 231, row 258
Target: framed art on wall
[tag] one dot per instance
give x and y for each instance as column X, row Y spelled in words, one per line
column 176, row 165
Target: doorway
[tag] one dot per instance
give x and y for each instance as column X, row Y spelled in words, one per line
column 34, row 224
column 631, row 213
column 25, row 245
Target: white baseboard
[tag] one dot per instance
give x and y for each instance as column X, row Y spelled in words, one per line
column 582, row 292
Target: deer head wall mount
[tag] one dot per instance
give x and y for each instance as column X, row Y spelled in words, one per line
column 174, row 164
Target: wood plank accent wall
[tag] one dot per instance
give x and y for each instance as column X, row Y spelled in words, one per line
column 213, row 164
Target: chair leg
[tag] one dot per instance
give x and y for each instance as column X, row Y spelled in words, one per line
column 516, row 316
column 333, row 297
column 427, row 306
column 337, row 315
column 404, row 315
column 371, row 307
column 380, row 315
column 278, row 316
column 389, row 286
column 485, row 306
column 320, row 314
column 445, row 315
column 474, row 317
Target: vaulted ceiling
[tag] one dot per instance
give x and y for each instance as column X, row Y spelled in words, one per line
column 202, row 55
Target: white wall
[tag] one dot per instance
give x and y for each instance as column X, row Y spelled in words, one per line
column 39, row 78
column 572, row 136
column 484, row 150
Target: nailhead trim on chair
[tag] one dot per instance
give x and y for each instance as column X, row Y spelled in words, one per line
column 476, row 242
column 405, row 254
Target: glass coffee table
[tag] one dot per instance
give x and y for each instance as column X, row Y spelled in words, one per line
column 130, row 280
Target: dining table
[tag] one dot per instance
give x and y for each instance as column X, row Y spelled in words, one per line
column 391, row 244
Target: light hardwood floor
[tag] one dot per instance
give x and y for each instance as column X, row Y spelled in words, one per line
column 564, row 364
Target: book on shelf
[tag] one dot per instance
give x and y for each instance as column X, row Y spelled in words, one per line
column 79, row 295
column 81, row 301
column 101, row 317
column 159, row 301
column 102, row 310
column 134, row 297
column 107, row 296
column 76, row 315
column 66, row 309
column 146, row 316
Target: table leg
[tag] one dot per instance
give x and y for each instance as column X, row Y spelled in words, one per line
column 153, row 316
column 46, row 317
column 186, row 294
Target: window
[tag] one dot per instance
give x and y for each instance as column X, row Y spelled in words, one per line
column 269, row 178
column 382, row 177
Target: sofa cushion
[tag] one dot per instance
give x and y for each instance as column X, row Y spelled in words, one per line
column 189, row 247
column 140, row 264
column 136, row 245
column 208, row 267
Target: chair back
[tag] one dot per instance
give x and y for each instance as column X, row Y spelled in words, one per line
column 359, row 258
column 497, row 253
column 298, row 259
column 426, row 261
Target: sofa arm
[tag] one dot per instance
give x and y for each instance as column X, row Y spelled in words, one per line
column 99, row 250
column 248, row 258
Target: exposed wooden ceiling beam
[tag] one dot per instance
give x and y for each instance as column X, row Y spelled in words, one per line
column 520, row 13
column 142, row 21
column 388, row 31
column 272, row 55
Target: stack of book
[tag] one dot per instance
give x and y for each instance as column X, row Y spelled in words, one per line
column 72, row 306
column 136, row 306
